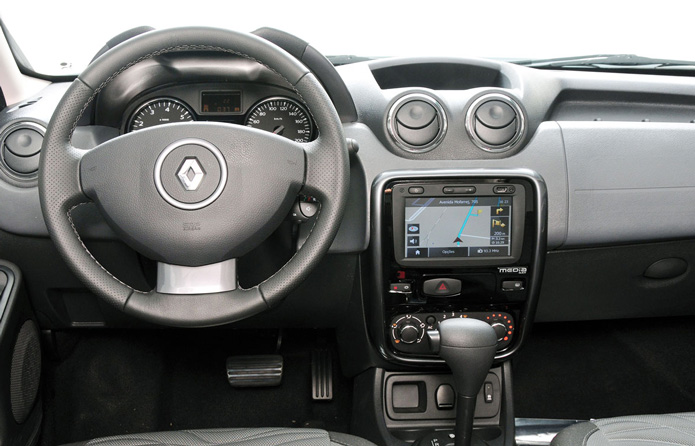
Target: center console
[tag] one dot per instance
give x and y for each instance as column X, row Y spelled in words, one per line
column 452, row 244
column 455, row 244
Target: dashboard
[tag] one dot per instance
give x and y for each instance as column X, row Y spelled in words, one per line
column 478, row 189
column 469, row 140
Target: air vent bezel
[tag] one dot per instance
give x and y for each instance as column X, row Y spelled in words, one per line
column 391, row 122
column 520, row 122
column 10, row 175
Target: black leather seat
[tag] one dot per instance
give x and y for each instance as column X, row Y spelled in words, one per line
column 638, row 430
column 232, row 437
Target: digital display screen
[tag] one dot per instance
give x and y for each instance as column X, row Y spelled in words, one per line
column 220, row 102
column 455, row 227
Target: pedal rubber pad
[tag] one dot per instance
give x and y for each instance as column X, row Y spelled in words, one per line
column 254, row 370
column 321, row 375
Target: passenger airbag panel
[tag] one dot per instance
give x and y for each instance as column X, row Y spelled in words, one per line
column 629, row 182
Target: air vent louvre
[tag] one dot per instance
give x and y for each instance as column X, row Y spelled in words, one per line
column 495, row 122
column 416, row 123
column 20, row 149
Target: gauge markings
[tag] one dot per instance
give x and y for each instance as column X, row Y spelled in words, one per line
column 282, row 116
column 159, row 111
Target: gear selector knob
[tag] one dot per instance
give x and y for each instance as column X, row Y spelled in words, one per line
column 468, row 346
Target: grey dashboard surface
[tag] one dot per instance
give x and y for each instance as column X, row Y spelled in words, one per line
column 615, row 150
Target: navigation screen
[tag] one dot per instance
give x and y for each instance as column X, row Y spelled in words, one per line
column 457, row 227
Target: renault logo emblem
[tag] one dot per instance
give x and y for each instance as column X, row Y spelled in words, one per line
column 190, row 174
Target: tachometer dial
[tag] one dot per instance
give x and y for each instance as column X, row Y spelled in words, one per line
column 282, row 116
column 159, row 111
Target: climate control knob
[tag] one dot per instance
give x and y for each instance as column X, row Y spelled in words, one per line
column 500, row 330
column 407, row 330
column 409, row 333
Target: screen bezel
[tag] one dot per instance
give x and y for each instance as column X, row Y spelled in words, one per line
column 400, row 192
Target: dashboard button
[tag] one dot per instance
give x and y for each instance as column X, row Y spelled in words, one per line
column 513, row 285
column 417, row 252
column 504, row 189
column 459, row 190
column 441, row 287
column 400, row 287
column 416, row 190
column 445, row 397
column 308, row 209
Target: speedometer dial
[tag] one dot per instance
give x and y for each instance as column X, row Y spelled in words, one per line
column 282, row 116
column 159, row 111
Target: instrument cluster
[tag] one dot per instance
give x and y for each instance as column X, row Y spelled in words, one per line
column 270, row 109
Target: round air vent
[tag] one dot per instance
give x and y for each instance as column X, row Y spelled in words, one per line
column 20, row 147
column 495, row 122
column 417, row 123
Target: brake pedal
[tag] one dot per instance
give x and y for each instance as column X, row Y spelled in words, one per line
column 321, row 375
column 254, row 370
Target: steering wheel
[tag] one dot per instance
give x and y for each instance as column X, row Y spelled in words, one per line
column 193, row 196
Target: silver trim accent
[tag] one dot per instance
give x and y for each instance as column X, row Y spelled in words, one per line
column 393, row 131
column 198, row 174
column 520, row 122
column 214, row 278
column 158, row 174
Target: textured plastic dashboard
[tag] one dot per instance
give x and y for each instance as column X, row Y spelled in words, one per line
column 618, row 179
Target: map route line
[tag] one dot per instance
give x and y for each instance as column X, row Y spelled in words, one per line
column 470, row 211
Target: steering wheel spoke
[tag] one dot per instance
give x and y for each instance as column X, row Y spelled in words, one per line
column 207, row 279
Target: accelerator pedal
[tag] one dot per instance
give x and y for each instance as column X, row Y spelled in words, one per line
column 254, row 370
column 321, row 375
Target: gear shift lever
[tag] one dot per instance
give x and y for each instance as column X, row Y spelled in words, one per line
column 468, row 346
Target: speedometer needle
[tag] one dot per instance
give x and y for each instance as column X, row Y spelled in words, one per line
column 279, row 129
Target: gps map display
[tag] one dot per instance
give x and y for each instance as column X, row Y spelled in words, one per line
column 457, row 227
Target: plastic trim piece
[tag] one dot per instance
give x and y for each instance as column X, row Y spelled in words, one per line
column 215, row 278
column 7, row 289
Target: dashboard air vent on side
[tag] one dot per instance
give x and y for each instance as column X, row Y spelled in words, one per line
column 417, row 123
column 20, row 147
column 495, row 122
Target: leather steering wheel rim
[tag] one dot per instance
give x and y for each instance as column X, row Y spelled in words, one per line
column 326, row 176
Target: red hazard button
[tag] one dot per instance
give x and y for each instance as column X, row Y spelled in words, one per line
column 442, row 286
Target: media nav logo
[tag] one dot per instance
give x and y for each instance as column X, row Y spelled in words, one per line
column 513, row 270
